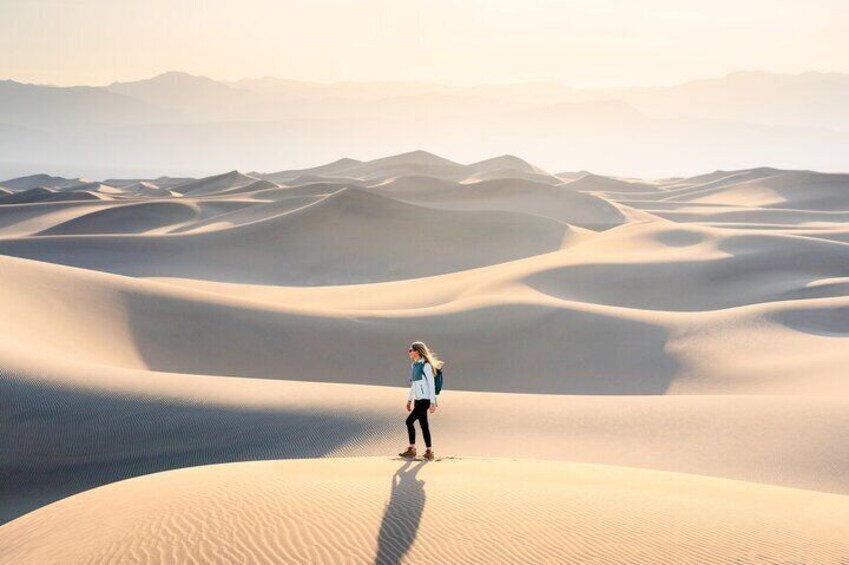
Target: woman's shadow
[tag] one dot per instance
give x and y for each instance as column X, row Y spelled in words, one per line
column 402, row 515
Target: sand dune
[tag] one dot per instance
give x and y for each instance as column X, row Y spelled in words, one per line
column 33, row 195
column 308, row 189
column 565, row 302
column 254, row 186
column 97, row 187
column 29, row 219
column 160, row 182
column 695, row 269
column 211, row 185
column 629, row 362
column 415, row 185
column 506, row 167
column 102, row 216
column 41, row 181
column 280, row 236
column 300, row 511
column 720, row 178
column 521, row 195
column 415, row 163
column 251, row 210
column 129, row 218
column 412, row 163
column 597, row 183
column 323, row 170
column 27, row 196
column 296, row 247
column 759, row 189
column 796, row 190
column 145, row 188
column 505, row 163
column 788, row 221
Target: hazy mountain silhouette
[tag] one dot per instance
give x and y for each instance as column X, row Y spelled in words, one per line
column 182, row 124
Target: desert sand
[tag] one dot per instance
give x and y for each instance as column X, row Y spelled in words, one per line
column 475, row 510
column 214, row 369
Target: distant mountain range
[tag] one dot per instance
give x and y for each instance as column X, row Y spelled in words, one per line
column 184, row 124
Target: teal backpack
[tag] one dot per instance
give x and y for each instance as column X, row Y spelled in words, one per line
column 437, row 380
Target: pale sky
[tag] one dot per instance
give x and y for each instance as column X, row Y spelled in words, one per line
column 586, row 43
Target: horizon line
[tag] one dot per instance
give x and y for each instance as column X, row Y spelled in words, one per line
column 431, row 83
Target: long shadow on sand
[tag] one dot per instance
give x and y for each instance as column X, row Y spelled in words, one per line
column 402, row 516
column 58, row 442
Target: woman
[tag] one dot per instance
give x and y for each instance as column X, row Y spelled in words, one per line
column 423, row 390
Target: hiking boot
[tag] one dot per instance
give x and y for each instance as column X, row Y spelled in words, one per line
column 428, row 454
column 411, row 452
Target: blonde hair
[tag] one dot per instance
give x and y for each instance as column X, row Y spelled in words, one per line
column 428, row 354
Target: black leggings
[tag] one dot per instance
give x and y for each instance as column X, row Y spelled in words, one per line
column 419, row 413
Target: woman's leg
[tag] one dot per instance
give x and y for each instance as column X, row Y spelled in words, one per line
column 411, row 431
column 423, row 422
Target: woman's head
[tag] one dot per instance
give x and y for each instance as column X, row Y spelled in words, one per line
column 419, row 349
